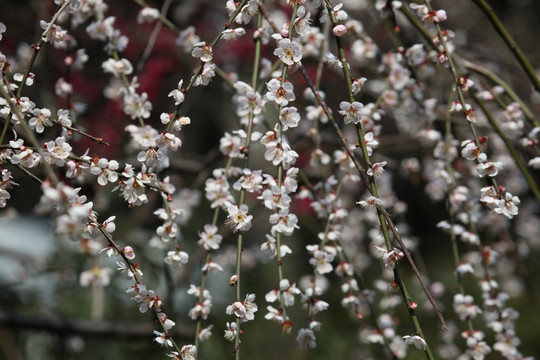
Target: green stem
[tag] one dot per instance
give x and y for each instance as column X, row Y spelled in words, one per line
column 511, row 149
column 497, row 80
column 201, row 65
column 383, row 216
column 512, row 45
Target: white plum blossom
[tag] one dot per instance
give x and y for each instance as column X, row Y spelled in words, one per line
column 269, row 248
column 415, row 340
column 102, row 29
column 477, row 349
column 147, row 15
column 376, row 169
column 98, row 275
column 177, row 94
column 247, row 100
column 209, row 238
column 489, row 168
column 244, row 310
column 435, row 16
column 283, row 222
column 251, row 181
column 63, row 117
column 470, row 237
column 176, row 259
column 246, row 13
column 187, row 39
column 302, row 21
column 166, row 232
column 288, row 291
column 306, row 339
column 352, row 112
column 188, row 352
column 109, row 226
column 507, row 206
column 340, row 14
column 357, row 85
column 162, row 339
column 318, row 158
column 127, row 271
column 203, row 51
column 280, row 94
column 27, row 158
column 2, row 29
column 321, row 259
column 55, row 34
column 206, row 74
column 370, row 142
column 217, row 189
column 205, row 333
column 289, row 117
column 153, row 157
column 464, row 268
column 167, row 140
column 136, row 105
column 238, row 219
column 464, row 306
column 231, row 331
column 233, row 34
column 389, row 258
column 280, row 153
column 274, row 314
column 105, row 169
column 5, row 184
column 370, row 203
column 40, row 119
column 289, row 52
column 201, row 310
column 470, row 151
column 57, row 151
column 117, row 67
column 29, row 79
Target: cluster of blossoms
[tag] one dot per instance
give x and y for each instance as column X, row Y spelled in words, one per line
column 281, row 159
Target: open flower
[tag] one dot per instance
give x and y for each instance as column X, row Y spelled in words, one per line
column 370, row 203
column 58, row 151
column 40, row 119
column 416, row 341
column 238, row 219
column 209, row 238
column 203, row 51
column 245, row 310
column 389, row 258
column 280, row 94
column 117, row 68
column 105, row 169
column 177, row 94
column 289, row 52
column 306, row 339
column 489, row 168
column 176, row 258
column 352, row 112
column 162, row 339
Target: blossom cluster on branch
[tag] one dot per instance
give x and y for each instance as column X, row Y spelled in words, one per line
column 287, row 136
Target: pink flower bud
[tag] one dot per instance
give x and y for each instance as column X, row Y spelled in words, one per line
column 128, row 252
column 339, row 30
column 285, row 30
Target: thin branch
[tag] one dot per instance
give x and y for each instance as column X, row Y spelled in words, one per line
column 510, row 42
